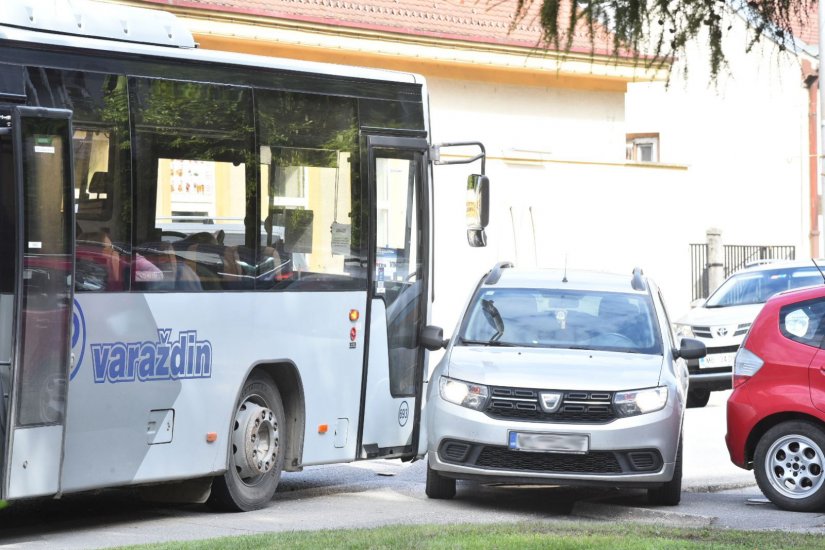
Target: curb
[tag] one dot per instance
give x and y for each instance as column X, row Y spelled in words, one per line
column 594, row 510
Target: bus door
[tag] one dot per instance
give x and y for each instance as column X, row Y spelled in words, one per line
column 36, row 316
column 398, row 296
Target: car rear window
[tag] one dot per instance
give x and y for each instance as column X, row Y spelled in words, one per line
column 558, row 318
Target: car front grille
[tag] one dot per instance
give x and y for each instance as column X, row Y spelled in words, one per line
column 595, row 407
column 502, row 458
column 706, row 332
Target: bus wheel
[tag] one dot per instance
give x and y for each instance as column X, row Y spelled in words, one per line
column 257, row 449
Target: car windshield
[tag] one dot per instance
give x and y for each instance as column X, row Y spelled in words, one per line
column 557, row 318
column 755, row 287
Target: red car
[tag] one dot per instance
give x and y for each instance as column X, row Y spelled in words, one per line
column 776, row 413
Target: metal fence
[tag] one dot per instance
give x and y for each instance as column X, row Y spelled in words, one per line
column 736, row 257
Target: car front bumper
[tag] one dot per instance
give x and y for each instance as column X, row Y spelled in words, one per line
column 637, row 451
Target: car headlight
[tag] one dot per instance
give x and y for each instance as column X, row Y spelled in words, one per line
column 466, row 394
column 684, row 331
column 631, row 403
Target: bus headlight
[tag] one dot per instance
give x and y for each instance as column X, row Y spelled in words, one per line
column 466, row 394
column 632, row 403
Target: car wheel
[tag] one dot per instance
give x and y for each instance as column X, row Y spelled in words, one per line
column 439, row 486
column 670, row 493
column 257, row 449
column 788, row 465
column 698, row 398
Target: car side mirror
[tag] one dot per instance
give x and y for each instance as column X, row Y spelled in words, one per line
column 690, row 348
column 432, row 338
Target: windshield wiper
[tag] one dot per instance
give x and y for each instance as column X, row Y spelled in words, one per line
column 497, row 343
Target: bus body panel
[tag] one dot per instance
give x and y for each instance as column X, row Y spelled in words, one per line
column 30, row 474
column 110, row 407
column 396, row 414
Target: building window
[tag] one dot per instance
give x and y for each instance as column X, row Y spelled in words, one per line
column 643, row 147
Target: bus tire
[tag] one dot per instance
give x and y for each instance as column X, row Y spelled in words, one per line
column 257, row 447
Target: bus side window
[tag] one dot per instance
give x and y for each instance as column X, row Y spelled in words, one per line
column 102, row 167
column 311, row 204
column 193, row 188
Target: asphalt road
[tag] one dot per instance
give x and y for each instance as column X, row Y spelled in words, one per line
column 372, row 494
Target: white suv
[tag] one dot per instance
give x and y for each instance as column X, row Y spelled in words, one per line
column 561, row 378
column 722, row 321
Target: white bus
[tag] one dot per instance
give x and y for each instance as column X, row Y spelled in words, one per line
column 215, row 266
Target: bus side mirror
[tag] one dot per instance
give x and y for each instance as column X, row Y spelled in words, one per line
column 478, row 209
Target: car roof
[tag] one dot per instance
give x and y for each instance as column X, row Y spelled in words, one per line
column 513, row 277
column 798, row 294
column 781, row 264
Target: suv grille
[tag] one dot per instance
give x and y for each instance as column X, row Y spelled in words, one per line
column 706, row 332
column 576, row 406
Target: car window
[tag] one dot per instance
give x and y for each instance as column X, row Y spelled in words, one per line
column 755, row 287
column 803, row 322
column 562, row 319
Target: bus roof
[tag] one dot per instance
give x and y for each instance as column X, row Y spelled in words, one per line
column 141, row 31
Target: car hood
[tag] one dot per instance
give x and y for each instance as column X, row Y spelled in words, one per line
column 554, row 368
column 731, row 315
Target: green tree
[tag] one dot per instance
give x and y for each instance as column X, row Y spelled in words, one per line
column 658, row 31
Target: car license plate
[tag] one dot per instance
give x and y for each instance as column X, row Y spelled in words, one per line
column 549, row 443
column 716, row 360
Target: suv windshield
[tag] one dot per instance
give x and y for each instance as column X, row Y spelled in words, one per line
column 755, row 287
column 558, row 318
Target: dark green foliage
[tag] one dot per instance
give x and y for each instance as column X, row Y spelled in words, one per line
column 658, row 31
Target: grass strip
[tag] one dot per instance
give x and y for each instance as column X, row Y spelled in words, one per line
column 524, row 535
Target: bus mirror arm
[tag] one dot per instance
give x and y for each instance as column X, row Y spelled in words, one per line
column 432, row 338
column 435, row 153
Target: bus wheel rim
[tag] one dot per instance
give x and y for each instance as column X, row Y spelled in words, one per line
column 254, row 440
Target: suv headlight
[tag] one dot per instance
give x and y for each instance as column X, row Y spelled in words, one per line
column 466, row 394
column 632, row 403
column 684, row 331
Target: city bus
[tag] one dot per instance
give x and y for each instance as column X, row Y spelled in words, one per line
column 215, row 266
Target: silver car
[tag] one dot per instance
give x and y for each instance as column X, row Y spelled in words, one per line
column 563, row 378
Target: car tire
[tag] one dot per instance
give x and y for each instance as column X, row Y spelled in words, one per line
column 789, row 466
column 697, row 398
column 439, row 486
column 670, row 493
column 257, row 445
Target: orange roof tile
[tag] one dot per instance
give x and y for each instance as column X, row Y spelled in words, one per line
column 805, row 26
column 481, row 21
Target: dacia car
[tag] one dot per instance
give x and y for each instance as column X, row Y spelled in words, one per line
column 562, row 378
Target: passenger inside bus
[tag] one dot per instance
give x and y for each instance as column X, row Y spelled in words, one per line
column 177, row 275
column 99, row 265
